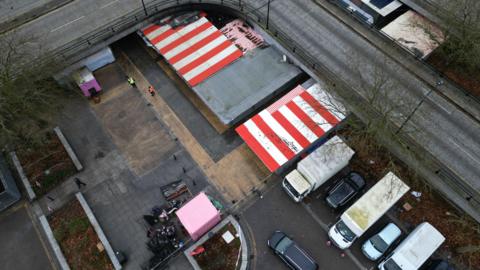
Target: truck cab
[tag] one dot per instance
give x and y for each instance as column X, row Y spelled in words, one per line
column 341, row 235
column 296, row 186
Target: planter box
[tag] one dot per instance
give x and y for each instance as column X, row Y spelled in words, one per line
column 77, row 239
column 215, row 234
column 58, row 169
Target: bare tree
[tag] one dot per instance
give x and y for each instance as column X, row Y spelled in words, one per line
column 461, row 23
column 29, row 96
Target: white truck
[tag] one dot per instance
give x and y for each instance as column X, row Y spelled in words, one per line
column 414, row 250
column 367, row 210
column 317, row 168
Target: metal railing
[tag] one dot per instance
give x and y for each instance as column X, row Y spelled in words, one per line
column 257, row 15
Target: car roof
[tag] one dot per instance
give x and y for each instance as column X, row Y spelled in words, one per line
column 340, row 191
column 390, row 233
column 296, row 256
column 356, row 179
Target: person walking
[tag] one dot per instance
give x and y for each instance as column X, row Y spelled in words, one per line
column 79, row 183
column 151, row 90
column 131, row 81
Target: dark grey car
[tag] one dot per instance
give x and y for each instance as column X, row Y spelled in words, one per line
column 345, row 190
column 295, row 257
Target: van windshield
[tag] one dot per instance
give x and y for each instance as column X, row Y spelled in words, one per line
column 345, row 231
column 291, row 189
column 378, row 243
column 391, row 265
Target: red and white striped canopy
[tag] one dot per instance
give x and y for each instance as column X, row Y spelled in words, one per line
column 196, row 50
column 291, row 124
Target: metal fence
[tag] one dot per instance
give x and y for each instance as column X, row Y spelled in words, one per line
column 259, row 16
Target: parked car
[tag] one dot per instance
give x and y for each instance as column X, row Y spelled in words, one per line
column 376, row 246
column 345, row 190
column 295, row 257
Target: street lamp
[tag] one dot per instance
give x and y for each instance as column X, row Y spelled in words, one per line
column 144, row 8
column 268, row 12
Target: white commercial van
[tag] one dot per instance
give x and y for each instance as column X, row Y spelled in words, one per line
column 414, row 250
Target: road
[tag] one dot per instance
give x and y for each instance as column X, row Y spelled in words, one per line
column 22, row 246
column 74, row 20
column 443, row 130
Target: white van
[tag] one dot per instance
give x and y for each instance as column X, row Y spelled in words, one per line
column 414, row 250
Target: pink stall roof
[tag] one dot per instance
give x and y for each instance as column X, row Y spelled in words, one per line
column 198, row 216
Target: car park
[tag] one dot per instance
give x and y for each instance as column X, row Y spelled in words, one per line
column 345, row 189
column 378, row 244
column 295, row 257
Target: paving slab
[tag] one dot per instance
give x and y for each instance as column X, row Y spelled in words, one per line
column 131, row 123
column 215, row 144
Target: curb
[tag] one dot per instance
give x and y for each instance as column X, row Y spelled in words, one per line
column 53, row 243
column 99, row 231
column 30, row 193
column 203, row 239
column 68, row 148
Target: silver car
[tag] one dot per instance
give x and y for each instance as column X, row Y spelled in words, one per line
column 376, row 246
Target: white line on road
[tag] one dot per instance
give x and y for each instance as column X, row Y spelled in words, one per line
column 463, row 149
column 109, row 4
column 325, row 228
column 70, row 22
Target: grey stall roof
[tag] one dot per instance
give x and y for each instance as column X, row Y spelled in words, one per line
column 245, row 84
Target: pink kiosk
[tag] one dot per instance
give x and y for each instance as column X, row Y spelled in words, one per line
column 198, row 216
column 87, row 82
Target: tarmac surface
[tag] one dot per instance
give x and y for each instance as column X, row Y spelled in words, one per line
column 21, row 246
column 277, row 211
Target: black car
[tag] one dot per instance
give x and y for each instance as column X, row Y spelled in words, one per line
column 345, row 189
column 290, row 253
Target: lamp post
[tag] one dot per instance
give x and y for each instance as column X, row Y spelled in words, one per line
column 144, row 8
column 268, row 12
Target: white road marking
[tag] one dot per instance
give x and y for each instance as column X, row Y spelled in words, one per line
column 462, row 148
column 109, row 4
column 326, row 228
column 70, row 22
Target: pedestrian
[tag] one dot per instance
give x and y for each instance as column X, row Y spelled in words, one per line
column 151, row 90
column 79, row 183
column 131, row 81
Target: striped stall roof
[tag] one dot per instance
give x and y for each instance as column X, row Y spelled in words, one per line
column 196, row 50
column 281, row 131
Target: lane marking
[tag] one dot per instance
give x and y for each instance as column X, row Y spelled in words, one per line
column 109, row 4
column 462, row 148
column 325, row 228
column 66, row 24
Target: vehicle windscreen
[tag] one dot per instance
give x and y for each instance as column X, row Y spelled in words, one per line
column 391, row 265
column 342, row 191
column 379, row 244
column 283, row 244
column 345, row 231
column 291, row 189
